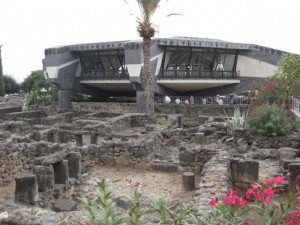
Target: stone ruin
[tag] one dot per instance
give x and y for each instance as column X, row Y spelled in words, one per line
column 47, row 153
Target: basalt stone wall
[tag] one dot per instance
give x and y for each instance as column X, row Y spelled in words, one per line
column 191, row 110
column 292, row 141
column 6, row 110
column 26, row 114
column 105, row 107
column 16, row 157
column 212, row 162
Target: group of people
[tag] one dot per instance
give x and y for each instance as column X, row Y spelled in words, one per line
column 168, row 100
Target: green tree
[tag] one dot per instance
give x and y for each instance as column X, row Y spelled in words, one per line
column 37, row 90
column 287, row 76
column 10, row 85
column 35, row 81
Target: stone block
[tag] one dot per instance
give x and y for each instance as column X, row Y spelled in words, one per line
column 51, row 159
column 45, row 177
column 199, row 138
column 26, row 189
column 74, row 159
column 164, row 166
column 294, row 169
column 186, row 156
column 245, row 171
column 61, row 172
column 65, row 205
column 51, row 137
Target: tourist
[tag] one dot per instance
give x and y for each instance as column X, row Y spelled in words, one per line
column 192, row 101
column 186, row 101
column 167, row 99
column 177, row 101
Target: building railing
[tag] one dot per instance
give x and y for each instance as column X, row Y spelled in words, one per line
column 105, row 75
column 296, row 105
column 202, row 100
column 203, row 74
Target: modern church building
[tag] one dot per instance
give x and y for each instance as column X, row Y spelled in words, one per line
column 181, row 66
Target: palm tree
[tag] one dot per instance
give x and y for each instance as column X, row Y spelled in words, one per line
column 146, row 31
column 1, row 76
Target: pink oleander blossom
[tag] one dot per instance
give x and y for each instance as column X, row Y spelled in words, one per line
column 214, row 201
column 277, row 180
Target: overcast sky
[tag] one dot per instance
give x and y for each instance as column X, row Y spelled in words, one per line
column 27, row 27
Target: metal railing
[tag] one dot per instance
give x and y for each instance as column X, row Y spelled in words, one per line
column 202, row 100
column 296, row 105
column 186, row 74
column 105, row 75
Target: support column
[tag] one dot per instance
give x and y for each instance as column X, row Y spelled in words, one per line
column 64, row 99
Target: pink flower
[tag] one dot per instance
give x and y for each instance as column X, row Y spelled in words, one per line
column 245, row 222
column 267, row 182
column 250, row 193
column 277, row 180
column 213, row 201
column 136, row 184
column 242, row 202
column 269, row 192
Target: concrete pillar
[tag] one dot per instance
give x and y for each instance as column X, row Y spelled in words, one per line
column 74, row 159
column 188, row 181
column 61, row 172
column 64, row 99
column 26, row 188
column 94, row 138
column 45, row 177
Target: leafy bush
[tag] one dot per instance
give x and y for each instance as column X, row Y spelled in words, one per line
column 269, row 120
column 237, row 121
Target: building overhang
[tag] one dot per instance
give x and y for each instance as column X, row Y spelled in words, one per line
column 110, row 85
column 194, row 85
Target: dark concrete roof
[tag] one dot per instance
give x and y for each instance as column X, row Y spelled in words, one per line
column 173, row 41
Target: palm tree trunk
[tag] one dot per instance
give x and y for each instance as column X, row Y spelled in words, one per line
column 1, row 76
column 148, row 79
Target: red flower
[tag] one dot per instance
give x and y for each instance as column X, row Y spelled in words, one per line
column 136, row 184
column 277, row 180
column 213, row 201
column 245, row 222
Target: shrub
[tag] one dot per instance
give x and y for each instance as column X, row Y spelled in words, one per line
column 237, row 121
column 269, row 120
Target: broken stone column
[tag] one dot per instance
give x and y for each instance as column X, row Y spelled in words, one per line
column 26, row 188
column 188, row 181
column 94, row 138
column 79, row 140
column 74, row 159
column 61, row 172
column 63, row 137
column 294, row 169
column 50, row 137
column 45, row 177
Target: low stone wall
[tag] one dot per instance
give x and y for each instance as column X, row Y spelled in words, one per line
column 6, row 110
